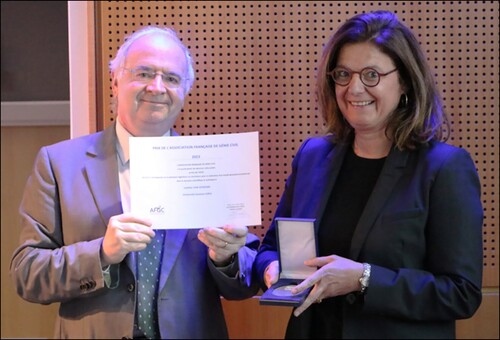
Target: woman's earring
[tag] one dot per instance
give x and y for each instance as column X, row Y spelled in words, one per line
column 404, row 100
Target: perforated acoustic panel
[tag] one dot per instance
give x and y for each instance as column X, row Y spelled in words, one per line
column 255, row 68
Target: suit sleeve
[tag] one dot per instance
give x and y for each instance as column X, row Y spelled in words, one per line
column 242, row 285
column 44, row 269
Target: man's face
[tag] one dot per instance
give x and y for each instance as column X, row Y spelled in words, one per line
column 148, row 101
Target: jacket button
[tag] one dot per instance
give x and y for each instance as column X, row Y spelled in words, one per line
column 130, row 287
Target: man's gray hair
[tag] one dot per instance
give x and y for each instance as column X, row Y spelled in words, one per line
column 121, row 55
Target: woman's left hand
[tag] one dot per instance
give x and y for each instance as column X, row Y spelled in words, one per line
column 336, row 276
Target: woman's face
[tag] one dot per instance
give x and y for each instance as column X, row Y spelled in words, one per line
column 367, row 108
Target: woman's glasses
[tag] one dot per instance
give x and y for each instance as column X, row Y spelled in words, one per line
column 369, row 76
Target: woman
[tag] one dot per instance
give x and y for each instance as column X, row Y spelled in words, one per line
column 398, row 211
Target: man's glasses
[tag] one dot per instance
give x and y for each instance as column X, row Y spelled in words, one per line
column 146, row 75
column 369, row 77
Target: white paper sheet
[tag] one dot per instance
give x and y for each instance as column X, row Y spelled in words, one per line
column 189, row 182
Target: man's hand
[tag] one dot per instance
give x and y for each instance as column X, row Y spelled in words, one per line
column 223, row 242
column 125, row 233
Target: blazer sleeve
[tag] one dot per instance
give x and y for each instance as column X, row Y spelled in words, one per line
column 43, row 268
column 242, row 285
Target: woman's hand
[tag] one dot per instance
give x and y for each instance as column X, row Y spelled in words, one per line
column 336, row 276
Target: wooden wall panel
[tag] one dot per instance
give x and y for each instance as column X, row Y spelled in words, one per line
column 21, row 319
column 255, row 65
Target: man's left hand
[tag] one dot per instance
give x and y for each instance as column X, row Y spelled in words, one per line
column 223, row 242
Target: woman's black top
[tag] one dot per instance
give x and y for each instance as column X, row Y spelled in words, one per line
column 347, row 200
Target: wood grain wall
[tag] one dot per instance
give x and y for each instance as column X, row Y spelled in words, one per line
column 255, row 64
column 255, row 67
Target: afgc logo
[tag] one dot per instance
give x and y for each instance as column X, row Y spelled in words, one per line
column 157, row 210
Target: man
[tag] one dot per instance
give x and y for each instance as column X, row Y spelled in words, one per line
column 81, row 246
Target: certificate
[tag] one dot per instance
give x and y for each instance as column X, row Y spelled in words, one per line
column 186, row 182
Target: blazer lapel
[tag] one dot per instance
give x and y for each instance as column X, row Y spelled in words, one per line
column 330, row 170
column 101, row 170
column 391, row 172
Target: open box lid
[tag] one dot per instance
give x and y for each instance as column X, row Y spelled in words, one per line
column 296, row 243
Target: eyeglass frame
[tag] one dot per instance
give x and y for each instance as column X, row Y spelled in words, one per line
column 152, row 74
column 380, row 75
